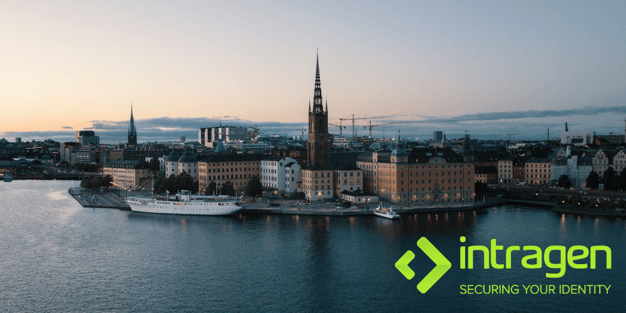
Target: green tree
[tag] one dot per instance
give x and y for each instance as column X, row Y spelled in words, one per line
column 106, row 181
column 184, row 181
column 564, row 182
column 480, row 188
column 211, row 189
column 254, row 188
column 607, row 178
column 593, row 180
column 228, row 189
column 154, row 165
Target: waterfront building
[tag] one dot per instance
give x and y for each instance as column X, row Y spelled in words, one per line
column 619, row 162
column 237, row 169
column 347, row 178
column 505, row 170
column 275, row 175
column 129, row 174
column 189, row 164
column 317, row 183
column 358, row 197
column 537, row 172
column 420, row 176
column 575, row 167
column 293, row 177
column 602, row 160
column 487, row 174
column 171, row 164
column 519, row 167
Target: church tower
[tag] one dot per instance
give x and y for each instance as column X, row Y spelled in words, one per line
column 318, row 146
column 132, row 132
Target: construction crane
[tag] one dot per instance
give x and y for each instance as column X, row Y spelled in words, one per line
column 353, row 119
column 254, row 133
column 510, row 135
column 301, row 130
column 370, row 126
column 340, row 128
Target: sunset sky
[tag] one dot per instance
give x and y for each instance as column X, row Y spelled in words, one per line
column 488, row 67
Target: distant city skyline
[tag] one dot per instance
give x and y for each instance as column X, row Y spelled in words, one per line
column 490, row 68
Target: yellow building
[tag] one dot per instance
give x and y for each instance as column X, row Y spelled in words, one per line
column 537, row 172
column 129, row 174
column 237, row 169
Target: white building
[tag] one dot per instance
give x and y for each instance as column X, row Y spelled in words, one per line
column 576, row 168
column 292, row 177
column 577, row 138
column 210, row 136
column 274, row 175
column 171, row 164
column 189, row 164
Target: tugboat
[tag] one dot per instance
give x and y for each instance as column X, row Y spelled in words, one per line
column 8, row 178
column 386, row 212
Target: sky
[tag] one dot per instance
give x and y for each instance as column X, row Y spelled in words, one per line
column 490, row 68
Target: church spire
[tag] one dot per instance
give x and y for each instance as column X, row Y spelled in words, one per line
column 318, row 105
column 132, row 131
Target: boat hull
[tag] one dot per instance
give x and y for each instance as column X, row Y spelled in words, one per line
column 381, row 214
column 185, row 208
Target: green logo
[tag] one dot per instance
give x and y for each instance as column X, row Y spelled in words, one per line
column 442, row 265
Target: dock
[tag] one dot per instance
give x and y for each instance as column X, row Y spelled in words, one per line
column 106, row 199
column 91, row 199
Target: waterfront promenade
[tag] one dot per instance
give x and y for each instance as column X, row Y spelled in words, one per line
column 107, row 199
column 91, row 199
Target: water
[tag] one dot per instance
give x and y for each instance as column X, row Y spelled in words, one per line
column 56, row 256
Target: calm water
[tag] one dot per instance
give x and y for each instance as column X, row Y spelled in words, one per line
column 56, row 256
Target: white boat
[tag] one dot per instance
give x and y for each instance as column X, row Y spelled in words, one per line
column 386, row 212
column 184, row 203
column 8, row 178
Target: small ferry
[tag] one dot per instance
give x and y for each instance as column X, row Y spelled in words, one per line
column 183, row 203
column 8, row 178
column 386, row 212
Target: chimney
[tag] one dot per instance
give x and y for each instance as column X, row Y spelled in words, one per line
column 566, row 127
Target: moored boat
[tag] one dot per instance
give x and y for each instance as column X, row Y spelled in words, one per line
column 184, row 203
column 386, row 212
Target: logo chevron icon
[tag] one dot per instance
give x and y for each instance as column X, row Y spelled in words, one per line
column 442, row 265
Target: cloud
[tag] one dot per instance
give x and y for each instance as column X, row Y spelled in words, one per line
column 496, row 116
column 489, row 125
column 67, row 127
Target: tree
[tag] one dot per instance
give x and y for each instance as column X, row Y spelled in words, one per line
column 254, row 188
column 593, row 180
column 228, row 189
column 564, row 182
column 106, row 181
column 211, row 189
column 607, row 178
column 154, row 165
column 480, row 188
